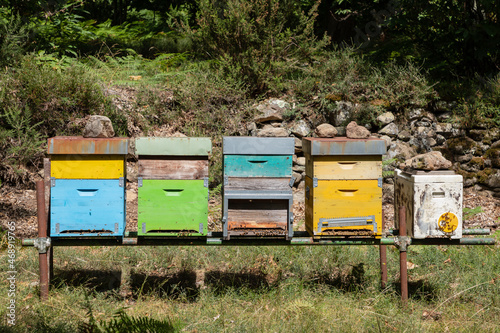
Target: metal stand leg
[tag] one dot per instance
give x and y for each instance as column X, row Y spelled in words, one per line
column 383, row 266
column 43, row 242
column 403, row 269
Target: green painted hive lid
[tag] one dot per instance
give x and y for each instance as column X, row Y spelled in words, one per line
column 173, row 146
column 343, row 146
column 87, row 146
column 251, row 145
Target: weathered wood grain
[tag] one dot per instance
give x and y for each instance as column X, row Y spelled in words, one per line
column 173, row 168
column 258, row 213
column 257, row 184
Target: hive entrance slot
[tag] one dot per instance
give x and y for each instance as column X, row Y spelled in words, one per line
column 88, row 231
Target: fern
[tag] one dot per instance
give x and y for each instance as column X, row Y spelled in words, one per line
column 122, row 322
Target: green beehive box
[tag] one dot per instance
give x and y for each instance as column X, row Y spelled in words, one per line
column 172, row 207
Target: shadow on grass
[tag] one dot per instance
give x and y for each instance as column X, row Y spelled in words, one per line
column 98, row 280
column 345, row 279
column 220, row 282
column 419, row 290
column 179, row 285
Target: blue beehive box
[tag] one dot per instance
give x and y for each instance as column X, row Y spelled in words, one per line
column 87, row 207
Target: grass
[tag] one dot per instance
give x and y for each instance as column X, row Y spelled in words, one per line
column 265, row 289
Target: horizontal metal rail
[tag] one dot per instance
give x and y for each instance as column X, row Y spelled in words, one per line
column 248, row 241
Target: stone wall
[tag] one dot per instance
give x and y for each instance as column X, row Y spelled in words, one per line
column 475, row 153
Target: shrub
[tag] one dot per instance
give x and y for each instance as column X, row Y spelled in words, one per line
column 13, row 40
column 257, row 38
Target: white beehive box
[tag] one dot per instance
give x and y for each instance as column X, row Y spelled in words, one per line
column 433, row 202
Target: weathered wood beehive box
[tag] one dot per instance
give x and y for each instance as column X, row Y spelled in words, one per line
column 173, row 186
column 87, row 196
column 343, row 186
column 433, row 203
column 257, row 192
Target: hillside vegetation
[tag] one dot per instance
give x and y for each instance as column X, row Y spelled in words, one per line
column 198, row 66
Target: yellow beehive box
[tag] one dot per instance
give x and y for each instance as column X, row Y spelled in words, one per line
column 343, row 207
column 344, row 167
column 87, row 158
column 87, row 166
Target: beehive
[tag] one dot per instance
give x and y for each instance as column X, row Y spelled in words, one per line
column 343, row 194
column 87, row 186
column 173, row 186
column 433, row 203
column 257, row 193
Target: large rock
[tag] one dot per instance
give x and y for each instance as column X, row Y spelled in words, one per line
column 342, row 113
column 272, row 132
column 401, row 151
column 298, row 145
column 494, row 180
column 300, row 129
column 98, row 127
column 271, row 110
column 354, row 131
column 386, row 118
column 391, row 130
column 433, row 160
column 325, row 131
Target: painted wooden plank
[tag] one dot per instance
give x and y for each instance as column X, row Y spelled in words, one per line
column 257, row 184
column 252, row 224
column 344, row 167
column 257, row 213
column 88, row 166
column 172, row 207
column 250, row 145
column 87, row 208
column 343, row 146
column 80, row 145
column 167, row 168
column 173, row 146
column 335, row 199
column 258, row 165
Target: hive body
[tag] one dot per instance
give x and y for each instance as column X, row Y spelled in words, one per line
column 343, row 187
column 173, row 186
column 257, row 193
column 87, row 186
column 433, row 202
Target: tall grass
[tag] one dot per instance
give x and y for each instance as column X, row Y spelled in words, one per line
column 267, row 289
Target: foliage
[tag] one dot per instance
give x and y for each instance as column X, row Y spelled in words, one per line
column 13, row 40
column 470, row 212
column 257, row 37
column 122, row 322
column 448, row 34
column 387, row 167
column 42, row 98
column 54, row 96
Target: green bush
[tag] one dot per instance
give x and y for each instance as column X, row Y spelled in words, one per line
column 258, row 38
column 13, row 39
column 53, row 96
column 40, row 99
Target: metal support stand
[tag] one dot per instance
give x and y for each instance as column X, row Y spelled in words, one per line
column 402, row 242
column 383, row 260
column 43, row 242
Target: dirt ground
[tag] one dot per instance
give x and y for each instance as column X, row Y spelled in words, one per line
column 19, row 205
